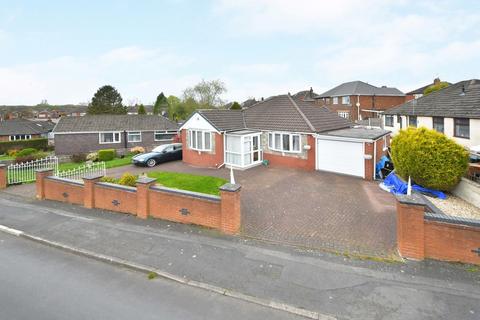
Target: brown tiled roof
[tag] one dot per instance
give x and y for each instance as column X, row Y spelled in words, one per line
column 96, row 123
column 279, row 113
column 24, row 126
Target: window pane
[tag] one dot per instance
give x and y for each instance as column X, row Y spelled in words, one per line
column 277, row 141
column 164, row 136
column 462, row 128
column 133, row 136
column 286, row 142
column 438, row 124
column 194, row 139
column 199, row 140
column 296, row 143
column 207, row 140
column 106, row 137
column 412, row 121
column 270, row 140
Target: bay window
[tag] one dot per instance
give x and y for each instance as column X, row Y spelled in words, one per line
column 284, row 142
column 200, row 140
column 109, row 137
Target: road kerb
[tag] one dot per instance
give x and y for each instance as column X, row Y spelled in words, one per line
column 193, row 283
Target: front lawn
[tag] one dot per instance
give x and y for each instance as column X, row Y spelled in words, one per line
column 6, row 157
column 117, row 162
column 190, row 182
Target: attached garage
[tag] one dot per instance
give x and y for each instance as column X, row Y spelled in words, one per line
column 344, row 157
column 351, row 151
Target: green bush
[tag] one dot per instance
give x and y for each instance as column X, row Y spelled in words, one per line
column 26, row 152
column 79, row 158
column 106, row 154
column 39, row 144
column 92, row 156
column 128, row 179
column 430, row 158
column 109, row 179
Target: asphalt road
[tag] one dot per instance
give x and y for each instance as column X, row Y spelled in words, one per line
column 39, row 282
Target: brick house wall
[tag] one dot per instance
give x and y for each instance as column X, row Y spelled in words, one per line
column 304, row 160
column 366, row 102
column 208, row 159
column 74, row 143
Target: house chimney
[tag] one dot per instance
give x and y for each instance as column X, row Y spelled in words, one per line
column 436, row 81
column 463, row 90
column 262, row 98
column 311, row 91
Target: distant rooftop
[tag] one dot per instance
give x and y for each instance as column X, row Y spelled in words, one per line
column 361, row 88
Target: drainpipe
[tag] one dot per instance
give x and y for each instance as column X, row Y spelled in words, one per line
column 358, row 107
column 125, row 139
column 374, row 159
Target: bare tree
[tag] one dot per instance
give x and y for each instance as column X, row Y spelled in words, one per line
column 206, row 93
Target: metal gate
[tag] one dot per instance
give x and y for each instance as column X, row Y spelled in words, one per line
column 25, row 171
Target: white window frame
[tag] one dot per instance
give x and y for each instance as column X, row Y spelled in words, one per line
column 392, row 118
column 344, row 114
column 163, row 132
column 16, row 137
column 335, row 100
column 134, row 133
column 346, row 100
column 271, row 141
column 194, row 145
column 119, row 140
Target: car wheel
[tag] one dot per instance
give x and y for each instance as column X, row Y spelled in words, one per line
column 151, row 163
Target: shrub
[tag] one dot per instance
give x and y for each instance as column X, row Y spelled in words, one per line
column 79, row 157
column 26, row 152
column 109, row 179
column 106, row 154
column 39, row 144
column 430, row 158
column 12, row 152
column 92, row 156
column 128, row 179
column 137, row 150
column 40, row 155
column 25, row 158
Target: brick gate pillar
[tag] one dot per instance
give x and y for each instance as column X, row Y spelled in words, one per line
column 89, row 190
column 411, row 226
column 143, row 202
column 230, row 208
column 3, row 176
column 40, row 176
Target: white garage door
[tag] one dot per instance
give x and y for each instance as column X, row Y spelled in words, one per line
column 341, row 156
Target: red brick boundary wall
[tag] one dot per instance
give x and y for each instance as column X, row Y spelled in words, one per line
column 3, row 176
column 422, row 234
column 147, row 200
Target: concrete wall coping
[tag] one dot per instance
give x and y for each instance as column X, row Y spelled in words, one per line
column 230, row 187
column 43, row 170
column 414, row 199
column 116, row 186
column 2, row 165
column 187, row 193
column 65, row 180
column 452, row 219
column 145, row 180
column 92, row 177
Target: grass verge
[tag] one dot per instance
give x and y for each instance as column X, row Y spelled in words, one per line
column 190, row 182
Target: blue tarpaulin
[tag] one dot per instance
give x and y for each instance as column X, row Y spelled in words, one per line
column 396, row 185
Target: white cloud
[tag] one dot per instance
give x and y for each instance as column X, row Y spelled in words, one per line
column 259, row 69
column 71, row 79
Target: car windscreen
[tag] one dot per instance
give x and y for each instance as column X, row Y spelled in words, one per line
column 160, row 149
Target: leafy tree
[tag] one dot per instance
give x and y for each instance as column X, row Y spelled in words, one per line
column 435, row 87
column 106, row 100
column 236, row 106
column 430, row 158
column 173, row 103
column 141, row 109
column 160, row 103
column 206, row 93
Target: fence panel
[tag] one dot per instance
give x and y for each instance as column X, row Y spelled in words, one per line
column 88, row 169
column 25, row 171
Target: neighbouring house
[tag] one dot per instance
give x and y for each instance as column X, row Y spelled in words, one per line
column 358, row 100
column 23, row 129
column 285, row 132
column 418, row 93
column 306, row 95
column 73, row 135
column 454, row 111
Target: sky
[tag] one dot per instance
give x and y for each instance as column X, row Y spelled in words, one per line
column 63, row 51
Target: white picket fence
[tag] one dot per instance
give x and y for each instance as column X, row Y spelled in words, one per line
column 25, row 171
column 88, row 169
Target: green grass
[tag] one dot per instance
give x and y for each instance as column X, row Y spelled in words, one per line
column 117, row 162
column 190, row 182
column 6, row 157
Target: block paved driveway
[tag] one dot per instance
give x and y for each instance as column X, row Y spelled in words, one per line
column 308, row 209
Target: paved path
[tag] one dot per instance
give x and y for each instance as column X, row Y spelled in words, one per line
column 328, row 284
column 40, row 282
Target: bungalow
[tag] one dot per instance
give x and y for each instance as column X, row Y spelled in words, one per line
column 454, row 111
column 23, row 129
column 285, row 132
column 73, row 135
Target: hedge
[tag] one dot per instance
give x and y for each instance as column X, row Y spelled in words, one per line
column 430, row 158
column 106, row 154
column 39, row 144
